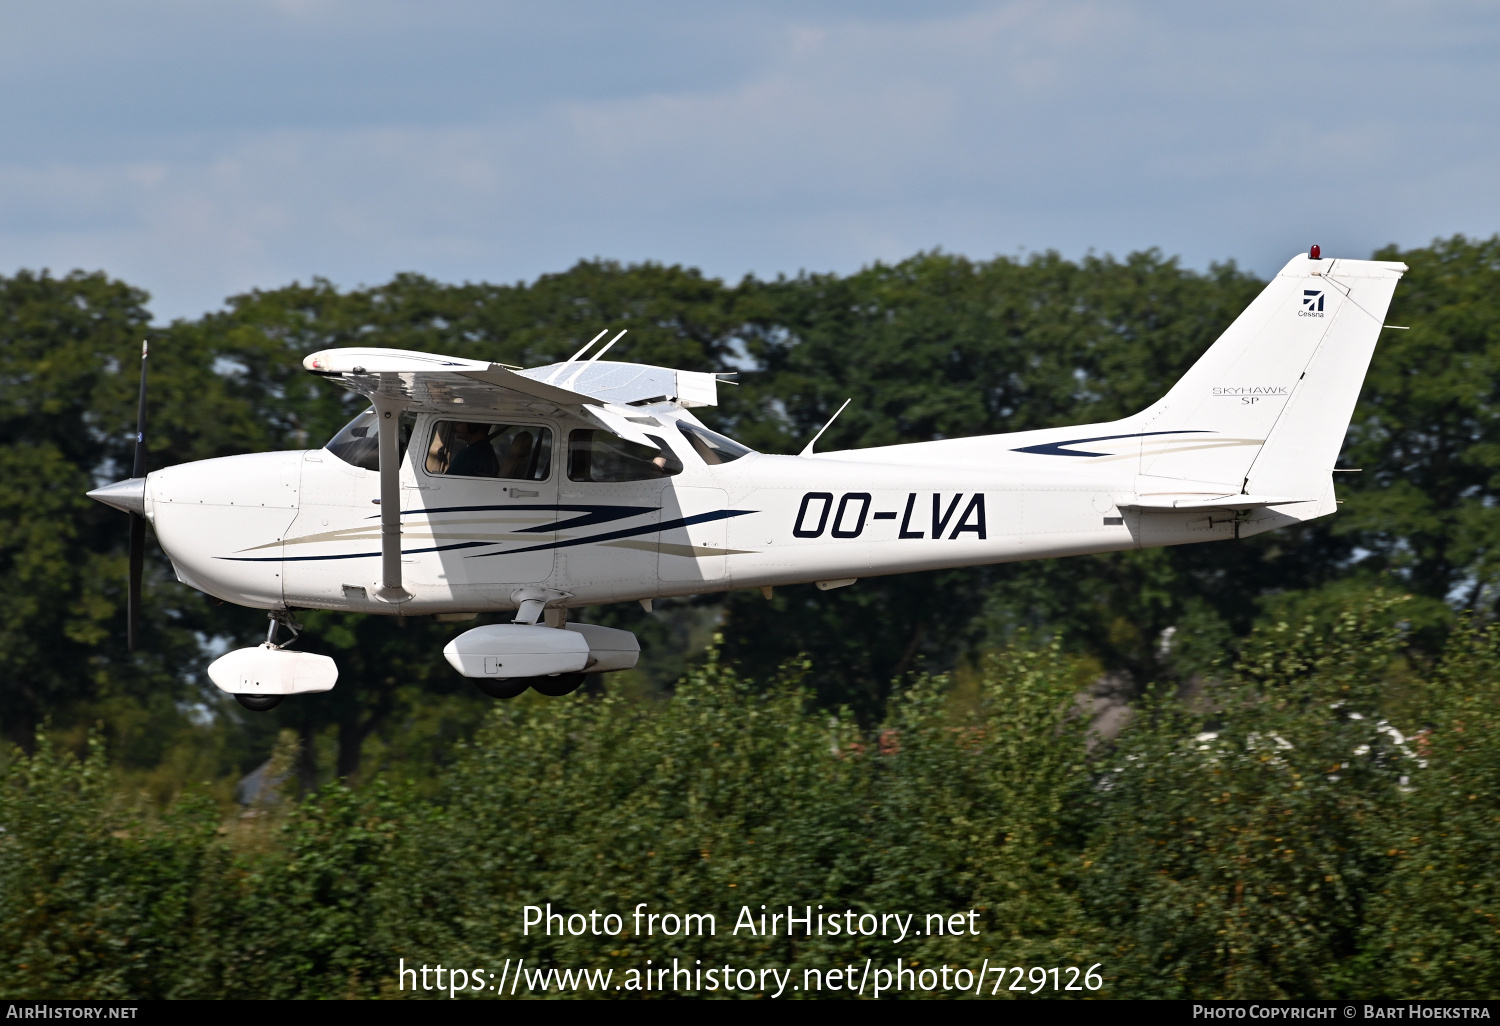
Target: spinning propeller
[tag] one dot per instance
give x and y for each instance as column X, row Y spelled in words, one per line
column 137, row 520
column 130, row 497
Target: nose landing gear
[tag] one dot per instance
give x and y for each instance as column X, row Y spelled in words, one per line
column 265, row 703
column 259, row 678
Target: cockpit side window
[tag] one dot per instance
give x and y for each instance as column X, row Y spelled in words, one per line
column 601, row 456
column 358, row 442
column 713, row 447
column 517, row 452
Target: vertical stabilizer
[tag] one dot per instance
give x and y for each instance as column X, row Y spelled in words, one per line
column 1304, row 443
column 1266, row 408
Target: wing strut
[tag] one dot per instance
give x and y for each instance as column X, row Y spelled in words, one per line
column 388, row 414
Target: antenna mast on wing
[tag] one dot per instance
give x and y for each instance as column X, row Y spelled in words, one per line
column 574, row 379
column 574, row 358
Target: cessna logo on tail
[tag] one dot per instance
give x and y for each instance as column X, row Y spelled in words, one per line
column 1312, row 303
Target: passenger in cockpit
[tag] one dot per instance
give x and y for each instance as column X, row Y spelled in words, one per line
column 477, row 457
column 518, row 458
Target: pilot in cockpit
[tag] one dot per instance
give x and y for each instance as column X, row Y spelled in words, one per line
column 477, row 457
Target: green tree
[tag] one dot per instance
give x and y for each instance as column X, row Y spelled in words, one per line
column 1232, row 857
column 1432, row 930
column 69, row 353
column 1427, row 430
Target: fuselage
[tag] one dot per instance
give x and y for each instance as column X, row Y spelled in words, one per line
column 302, row 529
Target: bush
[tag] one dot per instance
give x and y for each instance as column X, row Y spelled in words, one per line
column 1275, row 836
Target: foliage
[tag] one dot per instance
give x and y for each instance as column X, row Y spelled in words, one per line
column 96, row 893
column 1255, row 812
column 1281, row 838
column 1427, row 429
column 1433, row 925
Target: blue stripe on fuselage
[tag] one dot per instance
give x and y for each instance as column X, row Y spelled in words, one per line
column 699, row 518
column 1056, row 448
column 591, row 514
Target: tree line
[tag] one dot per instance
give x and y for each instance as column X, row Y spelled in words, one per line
column 1320, row 822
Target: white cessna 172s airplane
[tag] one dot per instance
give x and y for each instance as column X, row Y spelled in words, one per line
column 470, row 486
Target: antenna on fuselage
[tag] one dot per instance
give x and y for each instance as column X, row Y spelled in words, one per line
column 808, row 451
column 607, row 345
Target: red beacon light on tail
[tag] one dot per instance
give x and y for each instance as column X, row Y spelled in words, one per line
column 1316, row 253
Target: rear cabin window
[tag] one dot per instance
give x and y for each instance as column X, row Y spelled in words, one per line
column 601, row 456
column 515, row 452
column 358, row 443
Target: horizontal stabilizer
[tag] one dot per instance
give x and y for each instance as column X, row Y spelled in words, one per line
column 1181, row 503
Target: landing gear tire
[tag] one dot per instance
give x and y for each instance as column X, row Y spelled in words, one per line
column 556, row 687
column 510, row 687
column 259, row 703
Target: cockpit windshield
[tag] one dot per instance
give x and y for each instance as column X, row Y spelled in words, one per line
column 358, row 442
column 712, row 446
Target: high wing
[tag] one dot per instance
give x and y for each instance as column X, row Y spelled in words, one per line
column 448, row 384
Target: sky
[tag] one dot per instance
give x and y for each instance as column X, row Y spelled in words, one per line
column 200, row 150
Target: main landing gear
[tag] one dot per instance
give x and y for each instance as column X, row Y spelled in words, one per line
column 506, row 659
column 554, row 686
